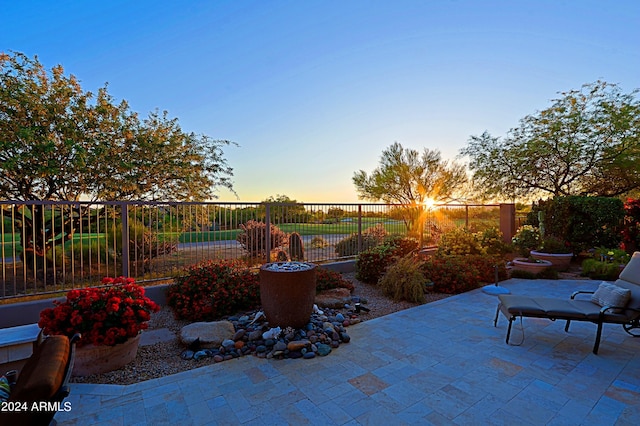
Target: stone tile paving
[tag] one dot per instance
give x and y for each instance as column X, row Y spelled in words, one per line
column 441, row 363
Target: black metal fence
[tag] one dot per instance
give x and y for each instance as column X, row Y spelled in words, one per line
column 49, row 246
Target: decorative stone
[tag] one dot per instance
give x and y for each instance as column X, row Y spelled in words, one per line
column 334, row 298
column 228, row 344
column 280, row 346
column 187, row 354
column 239, row 334
column 211, row 334
column 255, row 335
column 324, row 350
column 345, row 337
column 297, row 345
column 309, row 355
column 199, row 355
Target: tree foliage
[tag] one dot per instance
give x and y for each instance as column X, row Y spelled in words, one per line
column 407, row 176
column 59, row 142
column 586, row 143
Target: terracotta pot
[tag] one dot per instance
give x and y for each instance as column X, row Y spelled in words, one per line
column 97, row 359
column 560, row 261
column 522, row 264
column 287, row 295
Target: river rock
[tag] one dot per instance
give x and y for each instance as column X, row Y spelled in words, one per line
column 298, row 345
column 334, row 298
column 211, row 334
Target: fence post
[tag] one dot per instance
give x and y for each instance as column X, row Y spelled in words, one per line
column 124, row 214
column 267, row 219
column 359, row 228
column 466, row 216
column 507, row 221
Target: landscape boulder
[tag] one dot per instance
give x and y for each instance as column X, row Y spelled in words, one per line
column 211, row 334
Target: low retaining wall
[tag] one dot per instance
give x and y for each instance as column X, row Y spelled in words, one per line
column 15, row 314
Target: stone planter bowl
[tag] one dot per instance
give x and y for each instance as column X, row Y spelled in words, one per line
column 560, row 261
column 522, row 264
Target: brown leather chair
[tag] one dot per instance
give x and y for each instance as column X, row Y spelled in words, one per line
column 42, row 384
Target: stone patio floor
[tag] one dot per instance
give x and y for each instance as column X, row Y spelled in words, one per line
column 441, row 363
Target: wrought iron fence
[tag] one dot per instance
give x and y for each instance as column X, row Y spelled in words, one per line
column 49, row 246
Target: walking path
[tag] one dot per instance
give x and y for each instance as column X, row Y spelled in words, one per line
column 439, row 363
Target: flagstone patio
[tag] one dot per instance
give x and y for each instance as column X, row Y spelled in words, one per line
column 439, row 363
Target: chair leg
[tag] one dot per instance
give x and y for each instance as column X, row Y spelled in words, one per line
column 566, row 327
column 598, row 335
column 495, row 319
column 509, row 329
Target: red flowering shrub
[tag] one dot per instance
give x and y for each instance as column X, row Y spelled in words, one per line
column 104, row 316
column 327, row 279
column 631, row 226
column 458, row 274
column 212, row 289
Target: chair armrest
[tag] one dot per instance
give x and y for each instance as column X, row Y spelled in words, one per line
column 575, row 293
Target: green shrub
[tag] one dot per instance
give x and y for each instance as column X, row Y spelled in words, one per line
column 371, row 237
column 458, row 274
column 460, row 241
column 318, row 242
column 597, row 270
column 403, row 245
column 552, row 244
column 527, row 238
column 492, row 242
column 404, row 280
column 253, row 238
column 548, row 274
column 371, row 264
column 212, row 289
column 585, row 222
column 327, row 279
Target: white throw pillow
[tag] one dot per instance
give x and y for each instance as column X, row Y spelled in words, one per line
column 609, row 294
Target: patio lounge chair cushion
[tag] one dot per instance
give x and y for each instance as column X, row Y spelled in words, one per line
column 5, row 389
column 44, row 372
column 609, row 294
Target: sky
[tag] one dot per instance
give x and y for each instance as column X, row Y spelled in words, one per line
column 313, row 91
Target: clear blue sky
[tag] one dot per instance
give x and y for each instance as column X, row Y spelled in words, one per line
column 313, row 91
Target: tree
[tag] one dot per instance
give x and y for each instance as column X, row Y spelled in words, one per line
column 59, row 143
column 406, row 176
column 285, row 210
column 56, row 144
column 586, row 143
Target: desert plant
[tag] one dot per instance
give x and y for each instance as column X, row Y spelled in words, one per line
column 552, row 244
column 527, row 238
column 371, row 237
column 492, row 242
column 457, row 274
column 597, row 270
column 212, row 289
column 460, row 241
column 371, row 264
column 327, row 279
column 584, row 222
column 404, row 280
column 318, row 242
column 253, row 238
column 404, row 245
column 296, row 247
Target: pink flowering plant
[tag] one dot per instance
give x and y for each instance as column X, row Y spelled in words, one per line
column 106, row 315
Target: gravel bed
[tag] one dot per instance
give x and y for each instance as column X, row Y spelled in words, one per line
column 162, row 359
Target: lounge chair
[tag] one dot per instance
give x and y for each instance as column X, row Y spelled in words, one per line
column 43, row 383
column 617, row 303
